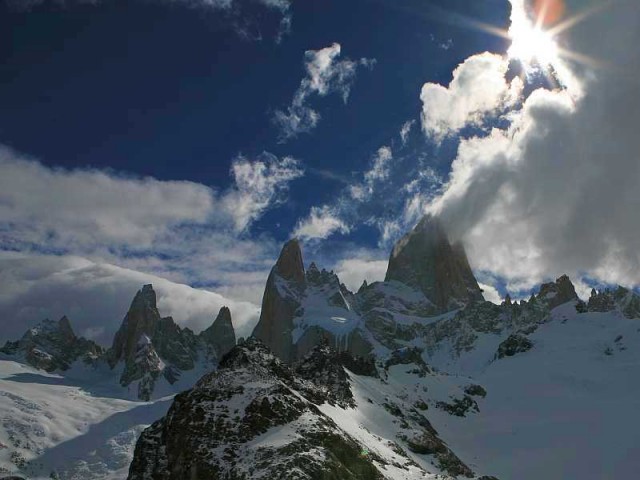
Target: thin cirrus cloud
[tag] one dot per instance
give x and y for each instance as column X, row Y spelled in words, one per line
column 555, row 191
column 321, row 223
column 325, row 74
column 326, row 220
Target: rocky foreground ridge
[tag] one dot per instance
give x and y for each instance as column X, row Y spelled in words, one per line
column 257, row 417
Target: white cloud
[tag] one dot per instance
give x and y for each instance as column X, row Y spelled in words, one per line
column 353, row 271
column 57, row 208
column 325, row 74
column 321, row 223
column 557, row 191
column 405, row 130
column 96, row 296
column 183, row 232
column 478, row 88
column 378, row 172
column 380, row 168
column 259, row 185
column 490, row 293
column 87, row 209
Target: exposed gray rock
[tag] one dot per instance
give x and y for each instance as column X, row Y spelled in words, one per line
column 208, row 431
column 281, row 301
column 558, row 292
column 221, row 335
column 622, row 299
column 150, row 345
column 52, row 346
column 425, row 259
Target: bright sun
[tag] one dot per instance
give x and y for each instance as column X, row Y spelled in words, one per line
column 532, row 46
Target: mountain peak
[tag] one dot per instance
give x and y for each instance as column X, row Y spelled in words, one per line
column 221, row 334
column 558, row 292
column 64, row 326
column 289, row 265
column 146, row 297
column 426, row 260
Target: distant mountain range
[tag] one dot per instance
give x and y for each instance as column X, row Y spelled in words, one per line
column 413, row 377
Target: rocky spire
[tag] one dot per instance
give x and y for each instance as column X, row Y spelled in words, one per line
column 221, row 334
column 142, row 318
column 558, row 292
column 281, row 300
column 289, row 265
column 52, row 346
column 425, row 259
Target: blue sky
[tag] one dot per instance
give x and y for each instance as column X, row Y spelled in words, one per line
column 189, row 139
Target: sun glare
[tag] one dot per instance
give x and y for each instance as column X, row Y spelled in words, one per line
column 532, row 45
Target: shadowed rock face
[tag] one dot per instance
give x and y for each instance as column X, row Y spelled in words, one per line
column 142, row 318
column 289, row 265
column 558, row 292
column 52, row 346
column 220, row 334
column 281, row 301
column 425, row 260
column 150, row 346
column 210, row 430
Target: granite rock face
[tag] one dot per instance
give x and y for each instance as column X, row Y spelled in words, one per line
column 151, row 346
column 622, row 299
column 211, row 431
column 281, row 301
column 303, row 309
column 221, row 335
column 558, row 292
column 52, row 346
column 425, row 260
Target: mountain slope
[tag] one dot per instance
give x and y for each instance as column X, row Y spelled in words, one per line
column 258, row 418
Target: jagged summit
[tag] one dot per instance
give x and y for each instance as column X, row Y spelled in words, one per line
column 558, row 292
column 425, row 259
column 221, row 334
column 152, row 347
column 289, row 265
column 142, row 318
column 52, row 346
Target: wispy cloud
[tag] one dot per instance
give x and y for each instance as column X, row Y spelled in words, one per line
column 259, row 185
column 325, row 74
column 321, row 223
column 405, row 130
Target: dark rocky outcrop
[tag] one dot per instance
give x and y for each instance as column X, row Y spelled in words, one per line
column 425, row 260
column 52, row 346
column 515, row 343
column 209, row 431
column 556, row 293
column 221, row 334
column 622, row 299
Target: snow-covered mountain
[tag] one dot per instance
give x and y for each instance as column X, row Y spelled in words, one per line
column 72, row 409
column 413, row 377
